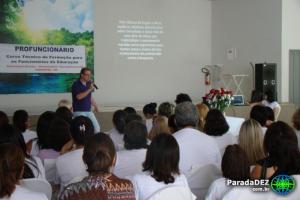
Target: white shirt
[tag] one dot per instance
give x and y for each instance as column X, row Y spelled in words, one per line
column 70, row 166
column 29, row 135
column 117, row 138
column 145, row 185
column 38, row 172
column 149, row 124
column 23, row 193
column 35, row 148
column 224, row 140
column 196, row 148
column 264, row 130
column 272, row 105
column 129, row 162
column 217, row 189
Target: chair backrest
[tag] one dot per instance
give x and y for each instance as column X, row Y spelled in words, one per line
column 200, row 178
column 38, row 185
column 174, row 193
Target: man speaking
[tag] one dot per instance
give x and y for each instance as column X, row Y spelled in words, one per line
column 82, row 97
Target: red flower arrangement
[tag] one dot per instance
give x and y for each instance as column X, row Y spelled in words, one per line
column 218, row 99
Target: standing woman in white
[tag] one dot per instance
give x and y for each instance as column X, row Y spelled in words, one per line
column 160, row 169
column 11, row 171
column 272, row 103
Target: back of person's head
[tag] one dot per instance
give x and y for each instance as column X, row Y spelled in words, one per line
column 81, row 129
column 162, row 158
column 215, row 123
column 135, row 135
column 150, row 109
column 281, row 145
column 270, row 96
column 235, row 164
column 251, row 140
column 180, row 98
column 259, row 114
column 202, row 110
column 130, row 110
column 119, row 120
column 296, row 120
column 57, row 135
column 43, row 126
column 9, row 134
column 11, row 168
column 160, row 125
column 186, row 114
column 133, row 117
column 3, row 118
column 65, row 103
column 64, row 113
column 20, row 120
column 172, row 125
column 166, row 109
column 256, row 96
column 99, row 153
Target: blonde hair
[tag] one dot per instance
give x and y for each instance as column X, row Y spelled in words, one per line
column 203, row 110
column 160, row 125
column 65, row 103
column 251, row 140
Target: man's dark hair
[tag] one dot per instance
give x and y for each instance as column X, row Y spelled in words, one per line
column 215, row 123
column 135, row 135
column 83, row 70
column 259, row 114
column 64, row 113
column 150, row 109
column 130, row 110
column 180, row 98
column 162, row 158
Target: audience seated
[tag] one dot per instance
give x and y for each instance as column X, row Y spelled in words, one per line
column 160, row 168
column 52, row 141
column 149, row 112
column 182, row 97
column 160, row 125
column 195, row 147
column 11, row 171
column 217, row 127
column 296, row 124
column 270, row 101
column 203, row 110
column 129, row 160
column 43, row 126
column 281, row 148
column 166, row 109
column 33, row 167
column 117, row 132
column 70, row 164
column 251, row 140
column 21, row 122
column 99, row 155
column 235, row 166
column 259, row 114
column 3, row 118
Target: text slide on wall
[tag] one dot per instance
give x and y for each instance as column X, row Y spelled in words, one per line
column 140, row 40
column 15, row 58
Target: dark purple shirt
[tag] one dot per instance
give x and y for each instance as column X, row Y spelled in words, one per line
column 83, row 105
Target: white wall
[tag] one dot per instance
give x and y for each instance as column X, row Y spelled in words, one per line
column 253, row 27
column 290, row 39
column 187, row 47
